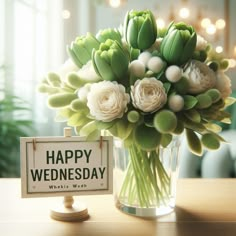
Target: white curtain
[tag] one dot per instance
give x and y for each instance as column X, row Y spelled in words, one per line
column 32, row 42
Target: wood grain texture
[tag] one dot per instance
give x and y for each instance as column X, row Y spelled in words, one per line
column 204, row 207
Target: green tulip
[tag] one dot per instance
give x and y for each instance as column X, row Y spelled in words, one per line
column 110, row 61
column 179, row 43
column 81, row 49
column 140, row 29
column 113, row 34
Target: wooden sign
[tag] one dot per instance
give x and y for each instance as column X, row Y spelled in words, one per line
column 53, row 166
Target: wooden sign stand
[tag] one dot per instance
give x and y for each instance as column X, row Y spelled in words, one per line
column 68, row 211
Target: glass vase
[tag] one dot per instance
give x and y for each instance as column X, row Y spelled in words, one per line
column 145, row 181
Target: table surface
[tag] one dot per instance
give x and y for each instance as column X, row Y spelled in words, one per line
column 204, row 207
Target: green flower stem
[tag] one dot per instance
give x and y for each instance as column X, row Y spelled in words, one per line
column 146, row 183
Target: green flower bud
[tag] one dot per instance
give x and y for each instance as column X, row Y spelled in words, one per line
column 214, row 65
column 80, row 50
column 54, row 79
column 110, row 61
column 200, row 55
column 113, row 34
column 61, row 99
column 224, row 64
column 44, row 88
column 78, row 105
column 179, row 43
column 165, row 121
column 74, row 80
column 133, row 116
column 140, row 29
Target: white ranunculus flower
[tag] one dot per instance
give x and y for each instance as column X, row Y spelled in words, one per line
column 148, row 94
column 201, row 43
column 107, row 100
column 223, row 84
column 200, row 77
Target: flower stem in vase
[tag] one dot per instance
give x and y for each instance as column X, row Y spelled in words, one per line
column 146, row 183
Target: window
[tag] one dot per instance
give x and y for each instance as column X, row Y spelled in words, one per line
column 31, row 34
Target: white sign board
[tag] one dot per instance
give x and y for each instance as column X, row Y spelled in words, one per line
column 53, row 166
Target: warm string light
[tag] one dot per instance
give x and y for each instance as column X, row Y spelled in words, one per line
column 232, row 63
column 160, row 23
column 66, row 14
column 206, row 25
column 115, row 3
column 219, row 49
column 184, row 13
column 211, row 29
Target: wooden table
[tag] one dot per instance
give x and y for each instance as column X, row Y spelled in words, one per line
column 204, row 207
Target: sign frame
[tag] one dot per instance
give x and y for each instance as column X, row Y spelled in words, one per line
column 29, row 145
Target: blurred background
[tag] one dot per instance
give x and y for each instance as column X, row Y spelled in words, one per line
column 33, row 39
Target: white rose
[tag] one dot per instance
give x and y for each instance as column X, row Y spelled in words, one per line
column 223, row 84
column 107, row 100
column 148, row 94
column 200, row 77
column 201, row 43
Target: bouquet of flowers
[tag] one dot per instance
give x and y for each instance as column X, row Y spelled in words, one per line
column 144, row 86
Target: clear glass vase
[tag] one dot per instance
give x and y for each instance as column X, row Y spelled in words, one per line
column 145, row 182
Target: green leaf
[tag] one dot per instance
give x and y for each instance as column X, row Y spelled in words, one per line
column 213, row 127
column 93, row 135
column 229, row 101
column 104, row 125
column 77, row 119
column 179, row 128
column 167, row 86
column 193, row 115
column 199, row 127
column 166, row 139
column 210, row 141
column 189, row 102
column 194, row 142
column 122, row 129
column 204, row 101
column 147, row 138
column 88, row 129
